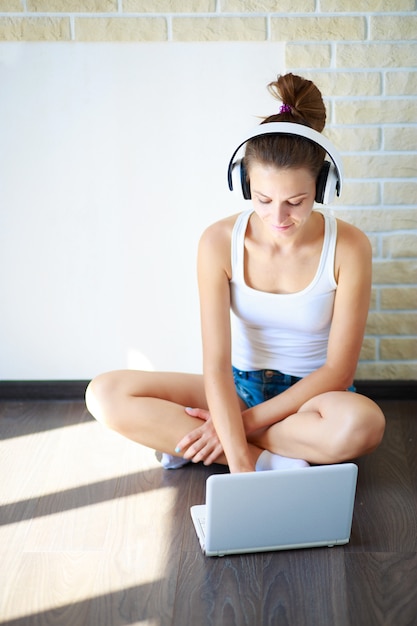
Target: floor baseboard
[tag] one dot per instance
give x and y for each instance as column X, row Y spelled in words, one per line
column 387, row 389
column 75, row 389
column 42, row 389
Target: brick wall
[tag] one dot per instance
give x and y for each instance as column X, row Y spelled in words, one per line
column 363, row 56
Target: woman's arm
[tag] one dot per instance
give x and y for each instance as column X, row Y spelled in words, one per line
column 213, row 279
column 353, row 272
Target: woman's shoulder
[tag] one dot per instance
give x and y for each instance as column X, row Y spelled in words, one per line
column 214, row 250
column 221, row 231
column 348, row 234
column 353, row 247
column 215, row 246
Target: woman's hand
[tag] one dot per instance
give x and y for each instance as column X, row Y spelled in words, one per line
column 202, row 443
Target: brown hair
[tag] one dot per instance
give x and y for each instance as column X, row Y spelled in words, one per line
column 304, row 105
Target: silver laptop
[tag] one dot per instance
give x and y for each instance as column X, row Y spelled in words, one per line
column 276, row 510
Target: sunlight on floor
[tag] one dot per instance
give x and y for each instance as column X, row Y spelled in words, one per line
column 61, row 459
column 80, row 509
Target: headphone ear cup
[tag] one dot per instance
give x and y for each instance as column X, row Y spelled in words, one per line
column 244, row 180
column 326, row 183
column 240, row 184
column 321, row 182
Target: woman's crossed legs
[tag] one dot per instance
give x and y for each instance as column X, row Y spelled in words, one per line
column 149, row 408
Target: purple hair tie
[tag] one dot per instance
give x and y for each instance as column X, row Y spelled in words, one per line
column 285, row 108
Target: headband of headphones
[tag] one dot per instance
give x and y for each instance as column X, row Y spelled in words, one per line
column 290, row 128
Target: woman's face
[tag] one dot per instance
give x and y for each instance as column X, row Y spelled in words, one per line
column 282, row 198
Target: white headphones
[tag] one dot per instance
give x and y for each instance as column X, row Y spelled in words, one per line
column 329, row 180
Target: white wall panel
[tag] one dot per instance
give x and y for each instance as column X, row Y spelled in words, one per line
column 112, row 161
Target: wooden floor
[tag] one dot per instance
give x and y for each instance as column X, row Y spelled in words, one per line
column 94, row 532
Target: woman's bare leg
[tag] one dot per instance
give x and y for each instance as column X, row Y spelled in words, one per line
column 148, row 407
column 330, row 428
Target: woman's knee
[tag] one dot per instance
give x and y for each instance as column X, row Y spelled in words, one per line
column 355, row 424
column 374, row 424
column 363, row 428
column 104, row 398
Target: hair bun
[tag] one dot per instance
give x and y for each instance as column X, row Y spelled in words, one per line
column 302, row 101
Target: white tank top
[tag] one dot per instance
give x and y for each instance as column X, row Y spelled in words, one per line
column 285, row 332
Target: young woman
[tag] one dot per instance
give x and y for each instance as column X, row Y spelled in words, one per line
column 277, row 370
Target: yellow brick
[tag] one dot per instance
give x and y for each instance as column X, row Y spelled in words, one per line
column 365, row 138
column 376, row 55
column 398, row 349
column 391, row 27
column 372, row 305
column 219, row 29
column 7, row 6
column 267, row 6
column 368, row 351
column 400, row 246
column 375, row 252
column 391, row 323
column 169, row 6
column 379, row 220
column 400, row 193
column 317, row 28
column 329, row 106
column 370, row 6
column 347, row 83
column 401, row 83
column 393, row 298
column 70, row 6
column 394, row 273
column 375, row 111
column 359, row 194
column 34, row 29
column 307, row 55
column 120, row 29
column 380, row 166
column 404, row 138
column 386, row 371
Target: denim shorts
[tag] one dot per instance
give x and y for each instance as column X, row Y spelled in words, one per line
column 261, row 385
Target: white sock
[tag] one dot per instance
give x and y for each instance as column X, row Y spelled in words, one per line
column 269, row 461
column 169, row 461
